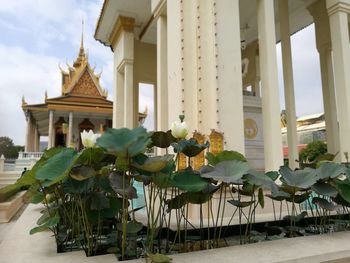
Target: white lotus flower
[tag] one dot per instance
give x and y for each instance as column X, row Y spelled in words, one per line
column 89, row 138
column 179, row 129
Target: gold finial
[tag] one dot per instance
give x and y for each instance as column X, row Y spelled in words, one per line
column 82, row 34
column 23, row 101
column 46, row 95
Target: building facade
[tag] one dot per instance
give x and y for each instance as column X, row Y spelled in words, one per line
column 215, row 62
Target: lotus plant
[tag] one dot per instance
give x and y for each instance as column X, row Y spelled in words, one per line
column 88, row 139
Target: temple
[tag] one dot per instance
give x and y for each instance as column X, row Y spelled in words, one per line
column 217, row 64
column 83, row 105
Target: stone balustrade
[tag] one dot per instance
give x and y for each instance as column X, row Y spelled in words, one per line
column 30, row 155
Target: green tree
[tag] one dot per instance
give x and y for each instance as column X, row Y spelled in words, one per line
column 312, row 151
column 8, row 149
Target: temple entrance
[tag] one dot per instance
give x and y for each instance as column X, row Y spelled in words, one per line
column 60, row 136
column 86, row 125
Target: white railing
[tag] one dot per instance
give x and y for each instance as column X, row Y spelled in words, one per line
column 30, row 155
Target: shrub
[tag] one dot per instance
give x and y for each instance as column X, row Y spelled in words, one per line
column 312, row 151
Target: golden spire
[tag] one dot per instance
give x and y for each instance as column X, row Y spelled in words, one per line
column 23, row 101
column 45, row 95
column 81, row 57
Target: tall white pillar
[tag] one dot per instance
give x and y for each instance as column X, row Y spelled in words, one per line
column 318, row 10
column 292, row 138
column 70, row 129
column 229, row 75
column 28, row 128
column 162, row 75
column 175, row 85
column 36, row 138
column 50, row 142
column 129, row 112
column 207, row 67
column 269, row 80
column 118, row 103
column 338, row 12
column 190, row 53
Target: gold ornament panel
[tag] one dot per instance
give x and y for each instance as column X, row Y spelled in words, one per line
column 250, row 129
column 216, row 142
column 198, row 161
column 85, row 86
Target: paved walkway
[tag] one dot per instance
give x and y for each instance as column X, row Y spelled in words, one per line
column 18, row 246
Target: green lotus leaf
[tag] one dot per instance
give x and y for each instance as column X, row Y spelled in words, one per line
column 122, row 186
column 98, row 201
column 188, row 180
column 37, row 198
column 330, row 170
column 132, row 227
column 273, row 175
column 298, row 199
column 261, row 197
column 340, row 200
column 278, row 196
column 57, row 167
column 124, row 142
column 155, row 164
column 51, row 222
column 296, row 218
column 162, row 180
column 261, row 180
column 325, row 204
column 159, row 258
column 115, row 205
column 73, row 186
column 323, row 188
column 190, row 147
column 240, row 204
column 224, row 156
column 343, row 188
column 228, row 172
column 302, row 179
column 162, row 139
column 92, row 156
column 82, row 172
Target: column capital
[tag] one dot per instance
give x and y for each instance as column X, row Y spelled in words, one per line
column 335, row 6
column 123, row 24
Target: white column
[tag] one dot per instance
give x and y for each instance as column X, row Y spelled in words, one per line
column 50, row 142
column 269, row 80
column 329, row 102
column 207, row 68
column 70, row 129
column 2, row 163
column 174, row 60
column 129, row 110
column 293, row 154
column 190, row 54
column 162, row 75
column 118, row 102
column 338, row 18
column 36, row 138
column 230, row 75
column 27, row 138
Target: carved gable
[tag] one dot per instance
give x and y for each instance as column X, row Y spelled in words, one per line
column 85, row 86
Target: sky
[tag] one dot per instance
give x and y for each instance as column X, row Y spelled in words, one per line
column 39, row 35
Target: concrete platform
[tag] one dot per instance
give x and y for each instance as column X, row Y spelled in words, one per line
column 19, row 247
column 9, row 208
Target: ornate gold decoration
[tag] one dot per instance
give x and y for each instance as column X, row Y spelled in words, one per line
column 216, row 142
column 198, row 161
column 250, row 129
column 182, row 162
column 85, row 86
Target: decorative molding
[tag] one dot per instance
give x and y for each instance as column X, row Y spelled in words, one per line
column 123, row 24
column 160, row 9
column 120, row 67
column 338, row 7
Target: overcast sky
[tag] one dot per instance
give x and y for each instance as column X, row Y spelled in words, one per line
column 38, row 35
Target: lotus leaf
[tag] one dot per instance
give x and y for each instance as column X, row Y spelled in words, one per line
column 51, row 222
column 124, row 142
column 299, row 198
column 37, row 198
column 162, row 139
column 57, row 167
column 132, row 227
column 323, row 188
column 73, row 186
column 188, row 180
column 240, row 204
column 98, row 201
column 190, row 147
column 228, row 172
column 325, row 204
column 302, row 179
column 224, row 156
column 261, row 198
column 330, row 170
column 260, row 180
column 122, row 186
column 296, row 218
column 82, row 172
column 155, row 164
column 159, row 258
column 343, row 189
